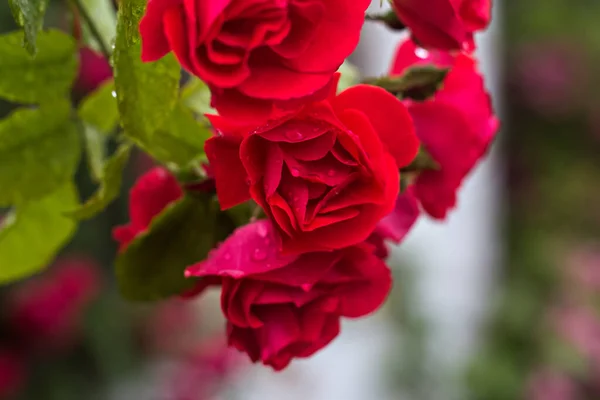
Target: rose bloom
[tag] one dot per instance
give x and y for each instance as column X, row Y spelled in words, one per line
column 282, row 307
column 547, row 384
column 456, row 126
column 46, row 311
column 254, row 54
column 396, row 225
column 325, row 174
column 94, row 70
column 152, row 192
column 444, row 24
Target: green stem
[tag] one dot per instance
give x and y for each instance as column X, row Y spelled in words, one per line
column 93, row 28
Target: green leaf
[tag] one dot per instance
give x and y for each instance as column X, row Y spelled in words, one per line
column 95, row 149
column 350, row 76
column 99, row 108
column 196, row 95
column 105, row 21
column 180, row 141
column 29, row 14
column 110, row 186
column 33, row 80
column 146, row 92
column 33, row 233
column 418, row 83
column 152, row 266
column 39, row 152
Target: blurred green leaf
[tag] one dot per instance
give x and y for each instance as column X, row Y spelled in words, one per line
column 29, row 15
column 105, row 20
column 110, row 186
column 39, row 152
column 180, row 140
column 196, row 95
column 152, row 266
column 99, row 108
column 95, row 149
column 32, row 235
column 146, row 92
column 350, row 76
column 33, row 80
column 418, row 83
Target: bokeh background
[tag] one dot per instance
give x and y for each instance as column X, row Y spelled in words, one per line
column 498, row 303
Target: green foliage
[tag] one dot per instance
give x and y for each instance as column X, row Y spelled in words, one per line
column 48, row 76
column 105, row 20
column 99, row 109
column 418, row 83
column 39, row 152
column 95, row 151
column 34, row 232
column 146, row 92
column 350, row 76
column 196, row 95
column 152, row 266
column 110, row 186
column 29, row 14
column 180, row 140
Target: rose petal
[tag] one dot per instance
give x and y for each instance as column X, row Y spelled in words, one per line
column 230, row 175
column 387, row 115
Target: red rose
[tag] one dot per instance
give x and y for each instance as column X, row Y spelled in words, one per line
column 444, row 24
column 325, row 174
column 254, row 54
column 46, row 311
column 152, row 192
column 94, row 70
column 280, row 307
column 456, row 126
column 395, row 226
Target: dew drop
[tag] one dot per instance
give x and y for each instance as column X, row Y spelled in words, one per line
column 261, row 230
column 295, row 172
column 187, row 273
column 294, row 134
column 306, row 287
column 234, row 273
column 259, row 255
column 421, row 53
column 114, row 94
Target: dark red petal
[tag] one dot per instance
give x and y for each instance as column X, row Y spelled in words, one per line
column 230, row 175
column 387, row 115
column 251, row 249
column 367, row 296
column 397, row 224
column 176, row 36
column 152, row 29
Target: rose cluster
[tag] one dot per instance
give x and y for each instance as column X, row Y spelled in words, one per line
column 324, row 168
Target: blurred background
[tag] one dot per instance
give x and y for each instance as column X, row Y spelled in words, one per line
column 498, row 303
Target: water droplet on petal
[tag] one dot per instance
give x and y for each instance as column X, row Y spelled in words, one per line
column 295, row 172
column 306, row 287
column 421, row 53
column 259, row 255
column 187, row 273
column 294, row 134
column 234, row 273
column 261, row 230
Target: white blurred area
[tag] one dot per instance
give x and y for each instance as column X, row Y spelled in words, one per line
column 456, row 263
